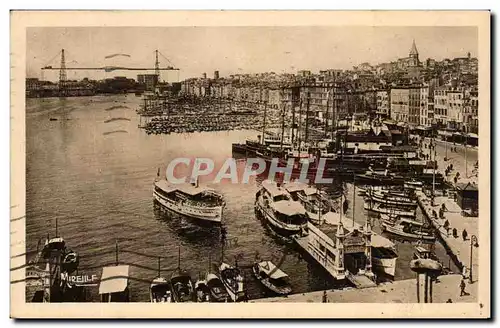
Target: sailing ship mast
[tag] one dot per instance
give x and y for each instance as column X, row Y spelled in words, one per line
column 307, row 118
column 292, row 139
column 282, row 123
column 264, row 123
column 353, row 197
column 299, row 125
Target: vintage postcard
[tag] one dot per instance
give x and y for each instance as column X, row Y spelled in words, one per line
column 312, row 160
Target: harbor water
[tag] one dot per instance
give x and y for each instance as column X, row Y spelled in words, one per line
column 91, row 167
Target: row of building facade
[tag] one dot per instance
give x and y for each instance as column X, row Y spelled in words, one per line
column 425, row 94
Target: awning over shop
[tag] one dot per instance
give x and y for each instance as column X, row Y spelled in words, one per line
column 472, row 135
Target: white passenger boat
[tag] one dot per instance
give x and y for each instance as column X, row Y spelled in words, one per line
column 274, row 204
column 315, row 201
column 196, row 202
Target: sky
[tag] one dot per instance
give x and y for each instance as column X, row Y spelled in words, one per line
column 233, row 50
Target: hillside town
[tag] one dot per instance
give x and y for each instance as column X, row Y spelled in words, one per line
column 423, row 93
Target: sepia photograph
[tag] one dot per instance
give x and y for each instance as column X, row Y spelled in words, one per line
column 250, row 158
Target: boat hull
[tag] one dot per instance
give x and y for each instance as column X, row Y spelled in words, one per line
column 407, row 235
column 385, row 265
column 384, row 210
column 280, row 291
column 206, row 215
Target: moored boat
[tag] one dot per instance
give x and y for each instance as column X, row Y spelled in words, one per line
column 70, row 261
column 160, row 291
column 272, row 277
column 52, row 244
column 388, row 201
column 423, row 253
column 274, row 204
column 409, row 231
column 202, row 291
column 218, row 292
column 386, row 209
column 181, row 286
column 384, row 259
column 414, row 185
column 233, row 281
column 315, row 202
column 203, row 204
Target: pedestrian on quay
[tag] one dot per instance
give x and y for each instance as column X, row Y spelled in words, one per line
column 465, row 234
column 462, row 288
column 325, row 297
column 455, row 233
column 449, row 301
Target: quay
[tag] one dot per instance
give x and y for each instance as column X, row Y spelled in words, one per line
column 463, row 252
column 401, row 291
column 459, row 249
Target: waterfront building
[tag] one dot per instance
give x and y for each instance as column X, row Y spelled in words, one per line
column 383, row 103
column 400, row 98
column 470, row 115
column 455, row 108
column 440, row 106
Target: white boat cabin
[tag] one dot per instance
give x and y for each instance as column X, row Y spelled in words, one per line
column 114, row 284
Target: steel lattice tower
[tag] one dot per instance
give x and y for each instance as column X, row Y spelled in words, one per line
column 157, row 67
column 62, row 72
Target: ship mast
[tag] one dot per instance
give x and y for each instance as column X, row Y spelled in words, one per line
column 299, row 127
column 283, row 104
column 326, row 114
column 307, row 118
column 264, row 122
column 353, row 197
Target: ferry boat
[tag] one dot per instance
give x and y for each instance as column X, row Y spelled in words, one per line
column 233, row 281
column 203, row 204
column 315, row 202
column 272, row 277
column 275, row 206
column 160, row 291
column 182, row 287
column 218, row 292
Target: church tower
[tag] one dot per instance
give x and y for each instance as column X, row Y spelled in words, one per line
column 413, row 55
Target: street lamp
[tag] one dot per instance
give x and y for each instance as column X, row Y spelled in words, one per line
column 473, row 242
